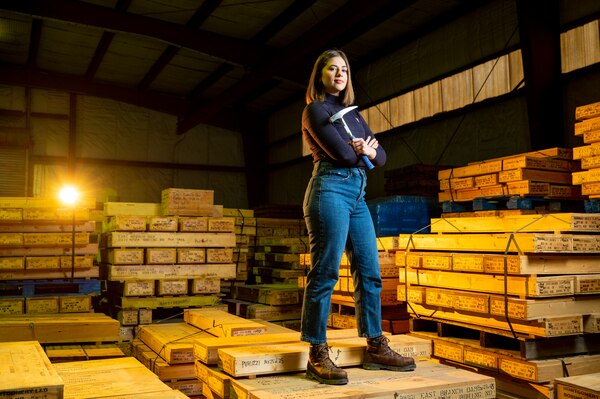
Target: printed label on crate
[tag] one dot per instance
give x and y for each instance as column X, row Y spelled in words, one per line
column 41, row 305
column 515, row 368
column 219, row 255
column 564, row 326
column 162, row 223
column 160, row 256
column 515, row 310
column 224, row 224
column 587, row 284
column 191, row 255
column 138, row 288
column 75, row 304
column 11, row 214
column 172, row 287
column 564, row 285
column 193, row 224
column 448, row 350
column 480, row 358
column 9, row 263
column 12, row 306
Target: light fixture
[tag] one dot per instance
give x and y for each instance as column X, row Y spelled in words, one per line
column 69, row 196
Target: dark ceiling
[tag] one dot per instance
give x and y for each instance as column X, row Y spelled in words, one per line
column 218, row 62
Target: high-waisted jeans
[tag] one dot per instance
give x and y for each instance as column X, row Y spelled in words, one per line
column 337, row 219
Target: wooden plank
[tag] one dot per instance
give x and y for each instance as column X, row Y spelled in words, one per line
column 106, row 378
column 48, row 274
column 59, row 328
column 476, row 169
column 157, row 272
column 585, row 151
column 131, row 209
column 29, row 227
column 549, row 222
column 26, row 371
column 530, row 286
column 125, row 223
column 222, row 324
column 165, row 239
column 587, row 176
column 527, row 242
column 88, row 249
column 168, row 302
column 587, row 111
column 546, row 163
column 289, row 357
column 429, row 380
column 588, row 125
column 513, row 175
column 578, row 387
column 554, row 327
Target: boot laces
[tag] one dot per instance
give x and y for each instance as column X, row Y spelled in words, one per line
column 322, row 355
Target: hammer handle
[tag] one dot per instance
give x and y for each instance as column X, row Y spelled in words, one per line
column 364, row 158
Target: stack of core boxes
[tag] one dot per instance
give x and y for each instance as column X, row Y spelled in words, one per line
column 588, row 127
column 168, row 255
column 46, row 256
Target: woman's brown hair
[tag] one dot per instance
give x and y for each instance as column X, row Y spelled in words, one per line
column 316, row 91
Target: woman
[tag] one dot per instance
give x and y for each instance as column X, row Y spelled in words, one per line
column 337, row 219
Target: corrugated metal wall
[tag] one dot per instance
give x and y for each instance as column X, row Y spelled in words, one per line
column 13, row 172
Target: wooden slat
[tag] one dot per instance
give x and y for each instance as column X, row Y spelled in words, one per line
column 530, row 286
column 59, row 328
column 165, row 239
column 494, row 264
column 157, row 272
column 527, row 242
column 544, row 328
column 550, row 222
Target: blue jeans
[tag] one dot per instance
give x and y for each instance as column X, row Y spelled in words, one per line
column 337, row 218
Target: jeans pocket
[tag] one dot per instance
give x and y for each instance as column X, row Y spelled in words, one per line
column 337, row 174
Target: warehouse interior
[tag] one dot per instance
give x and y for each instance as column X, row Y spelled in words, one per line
column 133, row 100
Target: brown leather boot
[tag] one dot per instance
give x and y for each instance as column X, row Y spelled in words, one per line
column 380, row 356
column 321, row 368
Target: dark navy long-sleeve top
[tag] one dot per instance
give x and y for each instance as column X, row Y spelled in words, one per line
column 330, row 141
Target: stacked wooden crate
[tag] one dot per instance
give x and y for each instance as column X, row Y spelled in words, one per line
column 271, row 292
column 514, row 296
column 413, row 180
column 525, row 183
column 578, row 387
column 343, row 313
column 245, row 234
column 167, row 348
column 272, row 366
column 36, row 242
column 588, row 128
column 165, row 256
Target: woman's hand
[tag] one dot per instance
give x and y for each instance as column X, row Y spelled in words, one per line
column 366, row 147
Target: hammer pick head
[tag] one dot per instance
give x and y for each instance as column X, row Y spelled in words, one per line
column 341, row 113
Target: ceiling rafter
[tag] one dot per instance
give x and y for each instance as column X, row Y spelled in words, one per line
column 171, row 51
column 228, row 49
column 34, row 43
column 343, row 20
column 34, row 78
column 104, row 44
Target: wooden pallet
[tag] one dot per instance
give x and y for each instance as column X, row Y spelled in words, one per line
column 518, row 345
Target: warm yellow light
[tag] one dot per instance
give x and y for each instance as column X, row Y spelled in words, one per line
column 69, row 195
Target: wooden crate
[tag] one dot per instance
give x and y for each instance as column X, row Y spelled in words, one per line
column 26, row 371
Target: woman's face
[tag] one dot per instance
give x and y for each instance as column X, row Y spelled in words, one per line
column 335, row 75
